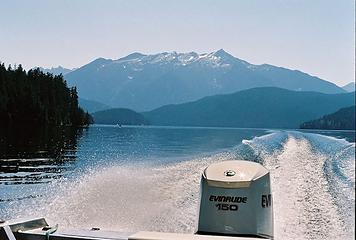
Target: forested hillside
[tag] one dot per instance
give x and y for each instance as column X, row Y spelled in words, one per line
column 257, row 108
column 343, row 119
column 144, row 82
column 121, row 116
column 38, row 98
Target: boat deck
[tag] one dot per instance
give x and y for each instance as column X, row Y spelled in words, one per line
column 37, row 229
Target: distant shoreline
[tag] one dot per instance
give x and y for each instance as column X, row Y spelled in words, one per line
column 213, row 127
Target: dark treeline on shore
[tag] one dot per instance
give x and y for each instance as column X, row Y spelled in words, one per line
column 343, row 119
column 38, row 98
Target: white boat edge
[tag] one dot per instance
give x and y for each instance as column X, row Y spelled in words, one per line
column 235, row 204
column 37, row 229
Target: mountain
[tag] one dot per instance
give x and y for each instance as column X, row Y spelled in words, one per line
column 144, row 82
column 258, row 107
column 349, row 87
column 92, row 106
column 119, row 116
column 56, row 71
column 343, row 119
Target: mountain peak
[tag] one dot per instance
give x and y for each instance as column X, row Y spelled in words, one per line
column 180, row 77
column 350, row 87
column 100, row 60
column 215, row 58
column 56, row 70
column 133, row 55
column 222, row 54
column 222, row 58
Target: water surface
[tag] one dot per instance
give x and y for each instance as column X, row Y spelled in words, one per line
column 147, row 178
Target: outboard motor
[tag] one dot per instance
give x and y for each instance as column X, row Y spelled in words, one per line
column 236, row 200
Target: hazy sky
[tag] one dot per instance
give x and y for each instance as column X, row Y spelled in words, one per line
column 315, row 36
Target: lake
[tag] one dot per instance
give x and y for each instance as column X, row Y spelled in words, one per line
column 147, row 178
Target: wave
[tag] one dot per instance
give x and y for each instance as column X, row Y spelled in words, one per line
column 127, row 198
column 312, row 177
column 313, row 183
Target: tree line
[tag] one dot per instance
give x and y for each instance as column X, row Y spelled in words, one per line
column 38, row 98
column 343, row 119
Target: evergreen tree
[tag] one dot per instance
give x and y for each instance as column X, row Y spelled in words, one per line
column 38, row 98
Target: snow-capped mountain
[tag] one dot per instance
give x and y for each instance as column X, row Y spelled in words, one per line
column 350, row 87
column 215, row 59
column 143, row 82
column 56, row 70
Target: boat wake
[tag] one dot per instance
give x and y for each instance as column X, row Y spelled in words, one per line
column 313, row 182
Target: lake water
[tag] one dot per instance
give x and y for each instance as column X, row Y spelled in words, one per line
column 147, row 178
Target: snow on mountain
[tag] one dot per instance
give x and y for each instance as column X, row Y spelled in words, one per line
column 350, row 87
column 56, row 70
column 219, row 58
column 143, row 82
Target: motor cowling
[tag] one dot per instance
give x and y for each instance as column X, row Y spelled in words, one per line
column 236, row 200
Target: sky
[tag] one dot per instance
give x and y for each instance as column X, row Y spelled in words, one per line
column 317, row 37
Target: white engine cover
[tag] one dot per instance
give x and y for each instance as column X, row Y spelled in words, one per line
column 236, row 200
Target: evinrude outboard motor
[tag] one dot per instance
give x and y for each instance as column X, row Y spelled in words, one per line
column 236, row 200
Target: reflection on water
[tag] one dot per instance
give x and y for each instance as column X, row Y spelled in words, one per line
column 147, row 178
column 32, row 156
column 29, row 158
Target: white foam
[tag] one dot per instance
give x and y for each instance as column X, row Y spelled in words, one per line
column 308, row 203
column 128, row 198
column 165, row 197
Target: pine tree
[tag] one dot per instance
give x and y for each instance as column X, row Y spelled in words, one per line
column 38, row 98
